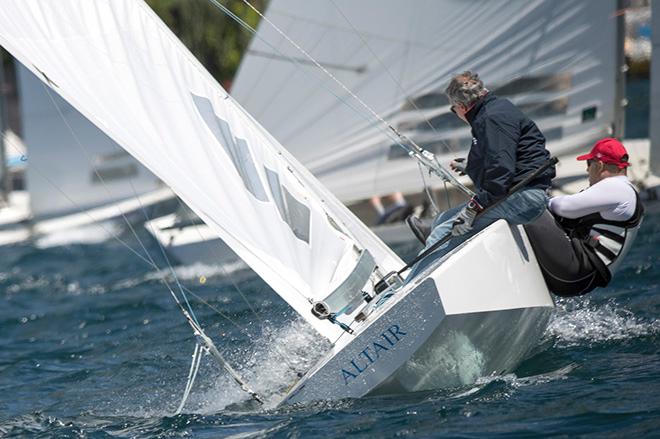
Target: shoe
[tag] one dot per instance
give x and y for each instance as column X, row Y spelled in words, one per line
column 418, row 228
column 395, row 214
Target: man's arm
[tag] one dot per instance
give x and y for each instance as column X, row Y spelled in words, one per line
column 597, row 198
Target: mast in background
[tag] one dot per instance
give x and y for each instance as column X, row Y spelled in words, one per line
column 654, row 121
column 4, row 175
column 620, row 100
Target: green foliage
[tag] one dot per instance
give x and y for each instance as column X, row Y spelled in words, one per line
column 214, row 37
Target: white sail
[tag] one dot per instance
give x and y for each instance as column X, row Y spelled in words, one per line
column 68, row 151
column 120, row 66
column 554, row 58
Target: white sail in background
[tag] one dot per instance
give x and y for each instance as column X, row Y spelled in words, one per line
column 68, row 151
column 554, row 58
column 120, row 66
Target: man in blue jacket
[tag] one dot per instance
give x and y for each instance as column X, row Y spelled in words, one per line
column 506, row 146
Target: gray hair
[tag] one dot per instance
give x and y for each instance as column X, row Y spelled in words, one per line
column 465, row 88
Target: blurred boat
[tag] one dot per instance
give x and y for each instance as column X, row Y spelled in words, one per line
column 77, row 184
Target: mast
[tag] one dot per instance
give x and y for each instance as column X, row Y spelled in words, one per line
column 654, row 121
column 621, row 68
column 4, row 175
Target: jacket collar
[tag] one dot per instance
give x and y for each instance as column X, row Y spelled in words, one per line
column 472, row 114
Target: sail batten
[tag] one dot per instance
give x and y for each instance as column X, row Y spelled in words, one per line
column 120, row 66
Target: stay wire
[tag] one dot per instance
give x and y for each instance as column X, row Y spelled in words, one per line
column 226, row 275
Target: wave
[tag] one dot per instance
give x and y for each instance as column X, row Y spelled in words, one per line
column 576, row 322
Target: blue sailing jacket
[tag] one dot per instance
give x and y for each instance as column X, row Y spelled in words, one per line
column 506, row 146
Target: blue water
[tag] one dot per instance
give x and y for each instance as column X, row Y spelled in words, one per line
column 92, row 345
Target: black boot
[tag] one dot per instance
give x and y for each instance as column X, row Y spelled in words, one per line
column 420, row 231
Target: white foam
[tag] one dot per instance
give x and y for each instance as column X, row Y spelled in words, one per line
column 576, row 322
column 270, row 368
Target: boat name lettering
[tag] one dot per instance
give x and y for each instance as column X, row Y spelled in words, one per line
column 370, row 354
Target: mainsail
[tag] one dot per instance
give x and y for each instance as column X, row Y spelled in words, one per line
column 120, row 66
column 554, row 58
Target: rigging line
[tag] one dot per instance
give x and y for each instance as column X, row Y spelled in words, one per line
column 389, row 73
column 163, row 253
column 214, row 249
column 105, row 187
column 447, row 195
column 333, row 66
column 427, row 190
column 184, row 289
column 416, row 151
column 213, row 350
column 192, row 374
column 259, row 317
column 181, row 287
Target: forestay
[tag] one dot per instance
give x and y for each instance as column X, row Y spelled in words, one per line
column 556, row 59
column 120, row 66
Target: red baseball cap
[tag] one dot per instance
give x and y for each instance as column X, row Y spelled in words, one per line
column 608, row 150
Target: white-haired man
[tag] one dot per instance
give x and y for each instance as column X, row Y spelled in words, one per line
column 506, row 147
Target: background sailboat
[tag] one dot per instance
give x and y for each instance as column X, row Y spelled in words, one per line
column 77, row 177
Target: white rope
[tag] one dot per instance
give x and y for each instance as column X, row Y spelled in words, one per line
column 192, row 374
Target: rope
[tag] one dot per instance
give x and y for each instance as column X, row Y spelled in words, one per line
column 192, row 374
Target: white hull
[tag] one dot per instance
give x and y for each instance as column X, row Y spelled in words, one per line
column 478, row 313
column 89, row 222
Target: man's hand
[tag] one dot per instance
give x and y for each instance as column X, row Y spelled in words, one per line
column 458, row 165
column 463, row 222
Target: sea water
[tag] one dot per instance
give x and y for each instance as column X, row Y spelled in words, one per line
column 93, row 345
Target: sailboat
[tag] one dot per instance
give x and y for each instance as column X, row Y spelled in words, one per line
column 78, row 183
column 122, row 68
column 554, row 59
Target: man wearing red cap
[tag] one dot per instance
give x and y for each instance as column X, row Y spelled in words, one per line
column 579, row 249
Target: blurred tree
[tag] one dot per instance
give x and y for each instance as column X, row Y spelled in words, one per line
column 215, row 38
